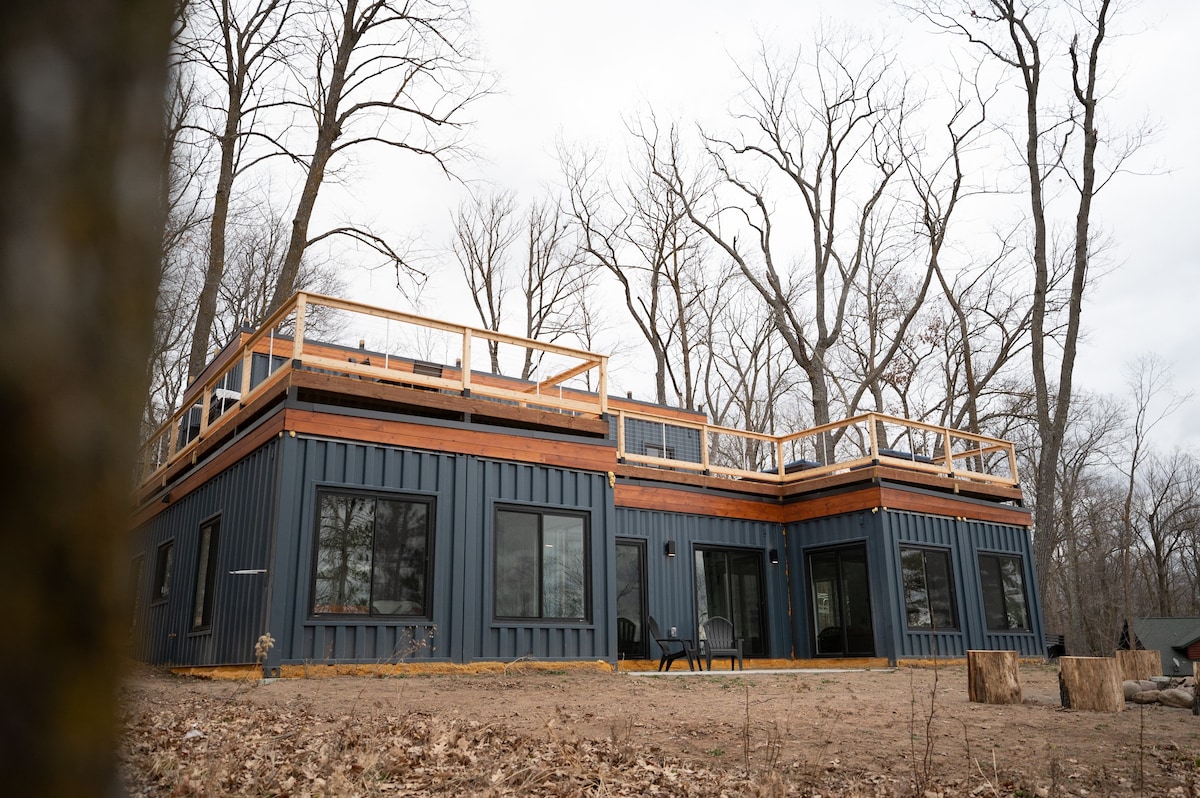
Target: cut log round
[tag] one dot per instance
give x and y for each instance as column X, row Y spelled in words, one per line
column 1139, row 665
column 992, row 677
column 1091, row 683
column 1196, row 688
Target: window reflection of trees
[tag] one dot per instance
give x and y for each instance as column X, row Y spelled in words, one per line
column 1003, row 581
column 372, row 555
column 541, row 566
column 928, row 589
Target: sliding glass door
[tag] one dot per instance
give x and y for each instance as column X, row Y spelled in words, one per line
column 840, row 596
column 729, row 584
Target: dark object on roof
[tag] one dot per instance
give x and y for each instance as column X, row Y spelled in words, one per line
column 899, row 455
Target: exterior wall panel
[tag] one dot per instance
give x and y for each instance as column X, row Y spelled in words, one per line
column 332, row 464
column 492, row 484
column 839, row 530
column 671, row 582
column 243, row 498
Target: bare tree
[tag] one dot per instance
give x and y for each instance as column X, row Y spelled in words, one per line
column 1165, row 511
column 484, row 228
column 236, row 45
column 554, row 283
column 1153, row 401
column 391, row 73
column 838, row 151
column 1019, row 35
column 257, row 242
column 639, row 233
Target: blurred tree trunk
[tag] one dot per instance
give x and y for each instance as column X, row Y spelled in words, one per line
column 81, row 111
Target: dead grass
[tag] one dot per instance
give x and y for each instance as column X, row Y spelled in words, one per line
column 575, row 732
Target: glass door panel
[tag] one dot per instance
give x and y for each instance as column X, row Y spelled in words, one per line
column 729, row 584
column 631, row 599
column 840, row 596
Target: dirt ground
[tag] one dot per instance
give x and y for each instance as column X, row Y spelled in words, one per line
column 524, row 732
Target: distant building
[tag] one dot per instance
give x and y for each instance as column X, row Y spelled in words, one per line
column 363, row 504
column 1178, row 639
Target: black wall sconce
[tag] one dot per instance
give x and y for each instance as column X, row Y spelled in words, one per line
column 669, row 549
column 773, row 556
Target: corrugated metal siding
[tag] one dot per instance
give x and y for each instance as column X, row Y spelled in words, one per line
column 671, row 583
column 494, row 482
column 321, row 463
column 935, row 532
column 243, row 497
column 997, row 538
column 672, row 441
column 965, row 540
column 838, row 530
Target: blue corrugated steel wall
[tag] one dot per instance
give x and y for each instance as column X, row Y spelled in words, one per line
column 884, row 532
column 243, row 497
column 313, row 463
column 807, row 536
column 671, row 588
column 466, row 491
column 965, row 540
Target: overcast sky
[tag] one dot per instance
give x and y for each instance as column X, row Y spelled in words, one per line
column 573, row 71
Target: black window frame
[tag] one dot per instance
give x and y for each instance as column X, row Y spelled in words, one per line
column 951, row 598
column 997, row 592
column 206, row 574
column 430, row 504
column 541, row 617
column 164, row 561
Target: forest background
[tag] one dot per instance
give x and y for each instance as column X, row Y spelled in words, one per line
column 971, row 213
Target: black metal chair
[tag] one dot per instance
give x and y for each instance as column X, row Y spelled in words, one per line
column 626, row 636
column 718, row 641
column 667, row 643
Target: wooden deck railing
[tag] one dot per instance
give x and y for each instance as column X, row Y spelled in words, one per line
column 864, row 440
column 281, row 344
column 664, row 440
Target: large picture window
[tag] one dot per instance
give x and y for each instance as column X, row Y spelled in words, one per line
column 206, row 574
column 928, row 588
column 1003, row 580
column 541, row 566
column 373, row 555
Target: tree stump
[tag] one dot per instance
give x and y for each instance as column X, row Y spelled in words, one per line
column 1138, row 666
column 1091, row 683
column 1196, row 688
column 992, row 677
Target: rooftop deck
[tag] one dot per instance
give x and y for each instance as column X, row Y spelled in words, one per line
column 429, row 367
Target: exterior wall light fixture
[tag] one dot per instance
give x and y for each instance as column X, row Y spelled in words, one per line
column 669, row 549
column 773, row 556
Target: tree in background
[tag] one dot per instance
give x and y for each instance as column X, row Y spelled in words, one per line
column 1039, row 43
column 637, row 230
column 396, row 74
column 240, row 49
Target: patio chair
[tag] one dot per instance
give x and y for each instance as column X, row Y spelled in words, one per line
column 667, row 643
column 718, row 641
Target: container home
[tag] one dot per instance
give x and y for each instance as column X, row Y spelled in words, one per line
column 361, row 485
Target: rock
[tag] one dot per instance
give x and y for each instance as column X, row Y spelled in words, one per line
column 1149, row 697
column 1132, row 687
column 1176, row 697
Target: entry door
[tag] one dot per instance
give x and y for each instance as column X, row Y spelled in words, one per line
column 840, row 597
column 631, row 599
column 729, row 583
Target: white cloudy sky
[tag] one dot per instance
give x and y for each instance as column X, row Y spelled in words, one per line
column 573, row 71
